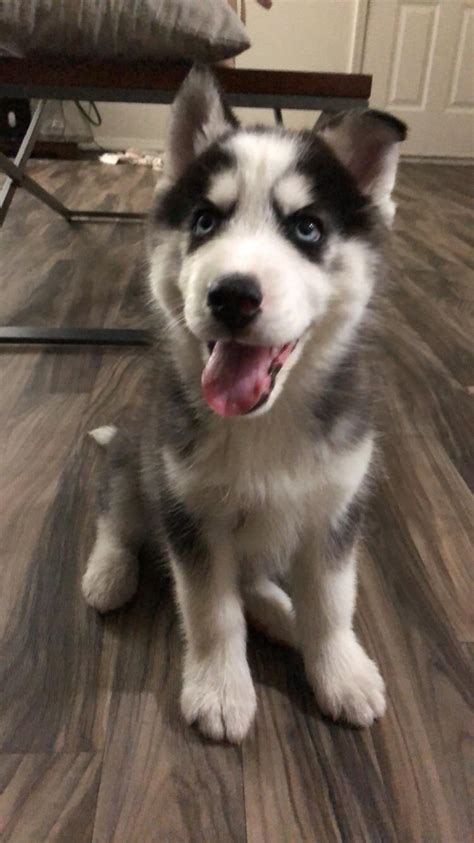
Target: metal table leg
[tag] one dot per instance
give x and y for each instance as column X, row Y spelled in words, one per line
column 9, row 187
column 73, row 336
column 16, row 177
column 21, row 179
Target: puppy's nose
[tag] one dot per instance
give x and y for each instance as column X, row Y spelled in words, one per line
column 235, row 300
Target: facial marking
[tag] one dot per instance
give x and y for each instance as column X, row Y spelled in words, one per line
column 223, row 190
column 292, row 193
column 277, row 187
column 262, row 160
column 174, row 206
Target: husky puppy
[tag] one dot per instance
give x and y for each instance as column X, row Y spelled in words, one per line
column 256, row 444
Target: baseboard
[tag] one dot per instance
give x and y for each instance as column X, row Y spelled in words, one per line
column 120, row 144
column 64, row 150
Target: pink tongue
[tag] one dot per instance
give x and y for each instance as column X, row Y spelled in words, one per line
column 236, row 376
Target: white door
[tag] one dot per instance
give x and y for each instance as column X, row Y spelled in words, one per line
column 421, row 55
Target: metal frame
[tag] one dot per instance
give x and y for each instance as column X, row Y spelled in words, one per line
column 9, row 186
column 16, row 177
column 73, row 336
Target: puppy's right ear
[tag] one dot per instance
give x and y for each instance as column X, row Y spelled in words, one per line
column 368, row 144
column 199, row 116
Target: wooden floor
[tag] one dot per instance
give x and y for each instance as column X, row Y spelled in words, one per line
column 92, row 747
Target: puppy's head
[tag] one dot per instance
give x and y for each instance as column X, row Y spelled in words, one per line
column 263, row 239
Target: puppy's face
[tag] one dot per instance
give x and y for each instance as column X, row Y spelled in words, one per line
column 262, row 238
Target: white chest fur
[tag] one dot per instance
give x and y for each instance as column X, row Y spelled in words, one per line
column 270, row 462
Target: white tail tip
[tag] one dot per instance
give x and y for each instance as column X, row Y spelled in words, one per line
column 103, row 435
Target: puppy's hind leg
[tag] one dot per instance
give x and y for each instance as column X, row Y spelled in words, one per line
column 111, row 575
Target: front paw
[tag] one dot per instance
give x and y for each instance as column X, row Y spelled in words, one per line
column 347, row 684
column 219, row 697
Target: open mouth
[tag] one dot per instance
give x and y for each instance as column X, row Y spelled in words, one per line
column 239, row 379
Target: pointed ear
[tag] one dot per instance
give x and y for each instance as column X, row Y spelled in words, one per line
column 199, row 116
column 367, row 143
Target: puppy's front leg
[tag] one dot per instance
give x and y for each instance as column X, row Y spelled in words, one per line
column 346, row 682
column 218, row 692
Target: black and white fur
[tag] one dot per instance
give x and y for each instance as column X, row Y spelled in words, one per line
column 249, row 502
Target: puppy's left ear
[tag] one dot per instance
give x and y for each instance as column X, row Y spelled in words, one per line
column 199, row 116
column 368, row 144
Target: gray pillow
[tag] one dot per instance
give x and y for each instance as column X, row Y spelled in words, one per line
column 200, row 30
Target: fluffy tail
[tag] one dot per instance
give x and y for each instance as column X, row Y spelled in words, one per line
column 104, row 435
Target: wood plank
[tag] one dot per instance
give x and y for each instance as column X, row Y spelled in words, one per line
column 430, row 690
column 296, row 787
column 428, row 501
column 48, row 797
column 447, row 332
column 405, row 779
column 54, row 654
column 65, row 278
column 177, row 786
column 418, row 395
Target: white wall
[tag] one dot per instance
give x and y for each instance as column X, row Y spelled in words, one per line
column 295, row 35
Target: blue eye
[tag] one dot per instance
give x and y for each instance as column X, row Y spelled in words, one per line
column 307, row 230
column 204, row 223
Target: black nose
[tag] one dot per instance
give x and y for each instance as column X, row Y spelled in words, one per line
column 234, row 300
